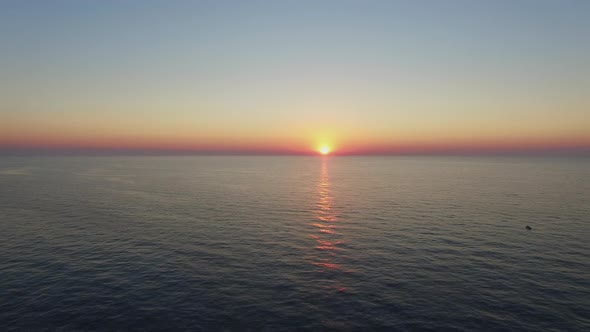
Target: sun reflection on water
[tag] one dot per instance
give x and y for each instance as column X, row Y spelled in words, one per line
column 328, row 247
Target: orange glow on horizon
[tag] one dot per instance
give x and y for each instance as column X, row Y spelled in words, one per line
column 12, row 138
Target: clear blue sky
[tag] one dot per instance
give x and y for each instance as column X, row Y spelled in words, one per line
column 362, row 74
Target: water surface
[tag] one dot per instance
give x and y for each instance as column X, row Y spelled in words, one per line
column 287, row 243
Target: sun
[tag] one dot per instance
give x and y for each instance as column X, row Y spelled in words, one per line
column 325, row 150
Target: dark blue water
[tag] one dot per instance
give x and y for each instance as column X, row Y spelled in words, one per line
column 294, row 243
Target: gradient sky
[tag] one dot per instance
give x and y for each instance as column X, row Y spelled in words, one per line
column 289, row 76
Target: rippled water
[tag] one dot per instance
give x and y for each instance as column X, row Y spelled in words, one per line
column 286, row 243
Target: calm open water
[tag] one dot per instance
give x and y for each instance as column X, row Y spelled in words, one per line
column 292, row 243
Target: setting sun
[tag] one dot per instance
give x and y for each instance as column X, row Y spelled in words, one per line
column 324, row 150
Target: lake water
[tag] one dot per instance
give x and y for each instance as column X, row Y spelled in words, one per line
column 294, row 243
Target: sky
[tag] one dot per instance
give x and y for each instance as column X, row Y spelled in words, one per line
column 288, row 77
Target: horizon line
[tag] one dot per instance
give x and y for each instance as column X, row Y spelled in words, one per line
column 564, row 151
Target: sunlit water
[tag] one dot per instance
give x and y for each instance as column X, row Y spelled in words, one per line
column 287, row 243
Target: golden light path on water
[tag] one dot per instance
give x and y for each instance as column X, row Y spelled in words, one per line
column 327, row 237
